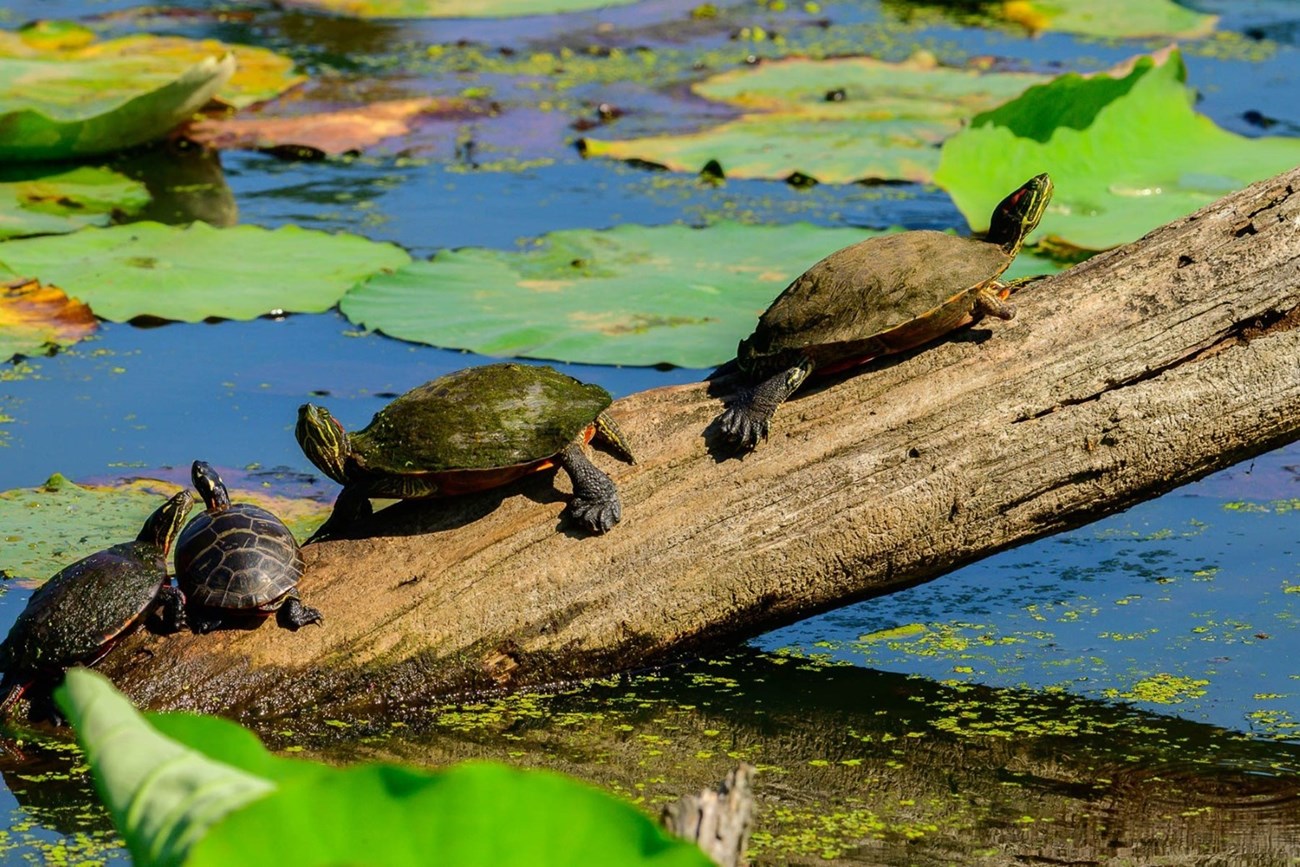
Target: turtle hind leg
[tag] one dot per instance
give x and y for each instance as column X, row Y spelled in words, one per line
column 611, row 435
column 170, row 616
column 988, row 302
column 351, row 506
column 748, row 417
column 595, row 504
column 292, row 614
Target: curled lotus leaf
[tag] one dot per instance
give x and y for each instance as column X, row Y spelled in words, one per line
column 42, row 203
column 259, row 75
column 34, row 317
column 453, row 8
column 194, row 272
column 1126, row 150
column 836, row 121
column 57, row 110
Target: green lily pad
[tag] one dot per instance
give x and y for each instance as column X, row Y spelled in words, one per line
column 632, row 295
column 1111, row 19
column 44, row 529
column 195, row 272
column 58, row 110
column 1127, row 153
column 837, row 121
column 453, row 8
column 34, row 317
column 49, row 204
column 259, row 75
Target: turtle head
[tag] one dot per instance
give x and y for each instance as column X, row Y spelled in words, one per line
column 323, row 441
column 210, row 487
column 1018, row 214
column 162, row 526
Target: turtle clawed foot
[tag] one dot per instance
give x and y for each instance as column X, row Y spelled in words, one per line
column 294, row 615
column 597, row 515
column 743, row 426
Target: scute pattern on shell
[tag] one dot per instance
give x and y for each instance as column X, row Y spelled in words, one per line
column 240, row 558
column 872, row 286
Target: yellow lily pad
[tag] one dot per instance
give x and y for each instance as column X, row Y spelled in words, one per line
column 453, row 8
column 34, row 317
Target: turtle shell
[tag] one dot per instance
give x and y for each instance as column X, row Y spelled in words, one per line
column 880, row 295
column 238, row 559
column 75, row 616
column 477, row 419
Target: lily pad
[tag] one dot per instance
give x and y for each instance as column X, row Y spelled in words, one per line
column 453, row 8
column 1111, row 19
column 1127, row 153
column 333, row 132
column 633, row 295
column 837, row 121
column 34, row 317
column 58, row 110
column 260, row 74
column 46, row 528
column 195, row 272
column 49, row 204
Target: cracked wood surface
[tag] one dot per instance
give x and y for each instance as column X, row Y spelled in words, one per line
column 1141, row 369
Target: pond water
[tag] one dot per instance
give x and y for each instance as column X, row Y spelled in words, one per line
column 1128, row 690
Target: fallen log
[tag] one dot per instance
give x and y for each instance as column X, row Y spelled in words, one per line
column 1142, row 369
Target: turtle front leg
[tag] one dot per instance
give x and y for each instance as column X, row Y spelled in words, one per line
column 171, row 609
column 351, row 506
column 292, row 614
column 748, row 417
column 595, row 504
column 988, row 302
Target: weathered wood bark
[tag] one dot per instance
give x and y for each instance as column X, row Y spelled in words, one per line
column 1140, row 370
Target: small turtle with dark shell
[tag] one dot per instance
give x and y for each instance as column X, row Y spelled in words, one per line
column 238, row 561
column 885, row 294
column 80, row 613
column 471, row 430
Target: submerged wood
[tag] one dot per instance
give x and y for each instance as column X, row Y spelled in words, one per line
column 719, row 819
column 1142, row 369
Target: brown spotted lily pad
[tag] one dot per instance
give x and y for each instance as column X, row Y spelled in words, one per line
column 34, row 317
column 335, row 132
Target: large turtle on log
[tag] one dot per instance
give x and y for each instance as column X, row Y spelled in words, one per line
column 470, row 430
column 885, row 294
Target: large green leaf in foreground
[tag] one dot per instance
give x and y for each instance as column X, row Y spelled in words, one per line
column 1126, row 150
column 48, row 203
column 44, row 529
column 194, row 272
column 632, row 295
column 53, row 109
column 453, row 8
column 203, row 792
column 838, row 120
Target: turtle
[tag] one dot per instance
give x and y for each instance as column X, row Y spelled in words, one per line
column 885, row 294
column 470, row 430
column 84, row 609
column 238, row 561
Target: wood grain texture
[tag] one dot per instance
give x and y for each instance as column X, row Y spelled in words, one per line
column 1137, row 371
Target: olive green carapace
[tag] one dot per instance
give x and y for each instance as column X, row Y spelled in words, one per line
column 871, row 287
column 76, row 615
column 479, row 418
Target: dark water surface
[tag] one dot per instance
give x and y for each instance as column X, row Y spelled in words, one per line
column 1128, row 692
